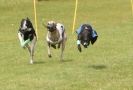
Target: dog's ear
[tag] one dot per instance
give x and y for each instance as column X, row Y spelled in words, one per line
column 79, row 48
column 94, row 37
column 93, row 40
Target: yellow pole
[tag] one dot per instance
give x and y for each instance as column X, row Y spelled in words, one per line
column 132, row 6
column 35, row 16
column 75, row 14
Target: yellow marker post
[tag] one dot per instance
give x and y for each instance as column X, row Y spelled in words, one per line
column 75, row 14
column 132, row 6
column 35, row 15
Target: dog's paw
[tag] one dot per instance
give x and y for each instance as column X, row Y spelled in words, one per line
column 49, row 56
column 31, row 61
column 79, row 48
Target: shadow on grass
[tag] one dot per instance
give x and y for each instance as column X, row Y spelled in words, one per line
column 97, row 67
column 64, row 61
column 68, row 60
column 41, row 62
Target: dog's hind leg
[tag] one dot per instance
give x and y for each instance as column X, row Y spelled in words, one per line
column 62, row 50
column 63, row 43
column 31, row 49
column 49, row 53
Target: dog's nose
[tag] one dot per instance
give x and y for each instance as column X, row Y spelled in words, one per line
column 85, row 46
column 85, row 43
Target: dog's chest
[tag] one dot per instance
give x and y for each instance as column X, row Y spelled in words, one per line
column 54, row 36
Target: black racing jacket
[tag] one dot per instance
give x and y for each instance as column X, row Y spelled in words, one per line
column 28, row 34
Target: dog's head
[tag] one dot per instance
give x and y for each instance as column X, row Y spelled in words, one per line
column 26, row 28
column 85, row 35
column 51, row 26
column 25, row 24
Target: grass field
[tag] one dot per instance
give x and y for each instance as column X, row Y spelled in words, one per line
column 107, row 65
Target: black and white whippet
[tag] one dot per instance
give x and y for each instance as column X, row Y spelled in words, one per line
column 55, row 36
column 27, row 36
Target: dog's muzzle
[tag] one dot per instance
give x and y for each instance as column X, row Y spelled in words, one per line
column 51, row 27
column 85, row 44
column 50, row 30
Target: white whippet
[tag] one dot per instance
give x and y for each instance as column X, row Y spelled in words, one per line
column 55, row 36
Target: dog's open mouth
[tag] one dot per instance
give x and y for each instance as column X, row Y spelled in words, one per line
column 85, row 46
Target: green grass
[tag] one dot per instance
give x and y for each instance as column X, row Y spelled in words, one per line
column 107, row 65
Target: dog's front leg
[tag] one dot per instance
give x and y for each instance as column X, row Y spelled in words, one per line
column 79, row 42
column 31, row 48
column 79, row 47
column 49, row 53
column 21, row 39
column 31, row 57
